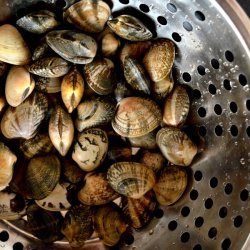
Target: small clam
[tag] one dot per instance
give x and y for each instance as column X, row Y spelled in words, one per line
column 23, row 121
column 19, row 85
column 77, row 226
column 90, row 149
column 7, row 162
column 61, row 130
column 41, row 50
column 49, row 67
column 136, row 116
column 146, row 141
column 42, row 176
column 72, row 89
column 158, row 61
column 3, row 103
column 96, row 190
column 131, row 179
column 99, row 75
column 3, row 68
column 94, row 112
column 170, row 185
column 109, row 223
column 139, row 211
column 71, row 171
column 176, row 107
column 48, row 84
column 176, row 146
column 130, row 28
column 38, row 22
column 73, row 46
column 13, row 49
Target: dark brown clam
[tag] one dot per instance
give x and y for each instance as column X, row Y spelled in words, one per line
column 71, row 171
column 119, row 153
column 41, row 49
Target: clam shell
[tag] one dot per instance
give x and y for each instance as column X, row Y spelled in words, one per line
column 176, row 107
column 72, row 89
column 158, row 61
column 96, row 190
column 61, row 130
column 3, row 68
column 146, row 141
column 72, row 172
column 118, row 153
column 170, row 185
column 3, row 103
column 109, row 223
column 94, row 112
column 42, row 176
column 41, row 50
column 121, row 91
column 13, row 49
column 23, row 121
column 19, row 85
column 130, row 28
column 176, row 146
column 73, row 46
column 48, row 84
column 131, row 179
column 88, row 15
column 136, row 116
column 90, row 149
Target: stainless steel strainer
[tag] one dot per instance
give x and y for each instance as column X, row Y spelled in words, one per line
column 213, row 59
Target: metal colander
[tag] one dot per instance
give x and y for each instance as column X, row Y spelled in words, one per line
column 213, row 59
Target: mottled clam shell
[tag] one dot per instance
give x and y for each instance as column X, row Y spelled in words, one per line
column 42, row 176
column 96, row 190
column 94, row 112
column 38, row 22
column 73, row 46
column 19, row 85
column 77, row 226
column 139, row 211
column 158, row 61
column 146, row 141
column 48, row 84
column 131, row 179
column 72, row 172
column 90, row 149
column 3, row 68
column 88, row 15
column 170, row 185
column 109, row 223
column 130, row 28
column 99, row 75
column 176, row 107
column 41, row 50
column 176, row 146
column 23, row 121
column 136, row 116
column 61, row 130
column 72, row 89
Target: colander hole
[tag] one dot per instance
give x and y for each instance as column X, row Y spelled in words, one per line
column 212, row 232
column 218, row 130
column 238, row 220
column 4, row 236
column 194, row 194
column 248, row 131
column 198, row 175
column 186, row 77
column 215, row 63
column 176, row 36
column 229, row 56
column 199, row 221
column 201, row 70
column 248, row 105
column 158, row 213
column 185, row 237
column 185, row 211
column 213, row 182
column 227, row 84
column 233, row 107
column 242, row 79
column 234, row 130
column 244, row 195
column 212, row 89
column 128, row 239
column 18, row 246
column 202, row 112
column 217, row 109
column 172, row 225
column 196, row 94
column 171, row 7
column 202, row 131
column 197, row 247
column 223, row 212
column 228, row 188
column 162, row 20
column 187, row 26
column 144, row 8
column 226, row 243
column 124, row 1
column 208, row 203
column 199, row 15
column 61, row 3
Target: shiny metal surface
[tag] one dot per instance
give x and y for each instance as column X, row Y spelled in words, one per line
column 213, row 59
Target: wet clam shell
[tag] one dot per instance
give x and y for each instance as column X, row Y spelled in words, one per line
column 176, row 146
column 72, row 172
column 131, row 179
column 171, row 185
column 41, row 50
column 136, row 116
column 48, row 84
column 146, row 141
column 3, row 68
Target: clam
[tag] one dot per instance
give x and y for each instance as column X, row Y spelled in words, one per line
column 129, row 28
column 42, row 176
column 3, row 68
column 158, row 61
column 61, row 130
column 49, row 67
column 131, row 179
column 176, row 146
column 71, row 171
column 41, row 50
column 48, row 84
column 38, row 145
column 90, row 148
column 96, row 190
column 136, row 116
column 13, row 49
column 73, row 46
column 19, row 85
column 136, row 76
column 121, row 91
column 176, row 107
column 99, row 75
column 77, row 226
column 7, row 162
column 170, row 185
column 109, row 223
column 146, row 141
column 72, row 89
column 118, row 153
column 3, row 103
column 23, row 121
column 38, row 22
column 139, row 211
column 94, row 112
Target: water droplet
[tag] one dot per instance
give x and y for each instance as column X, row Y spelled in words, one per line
column 228, row 204
column 151, row 232
column 242, row 161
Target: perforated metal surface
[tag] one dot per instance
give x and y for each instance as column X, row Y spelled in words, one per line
column 214, row 61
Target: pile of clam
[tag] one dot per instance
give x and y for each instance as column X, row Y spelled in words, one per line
column 91, row 124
